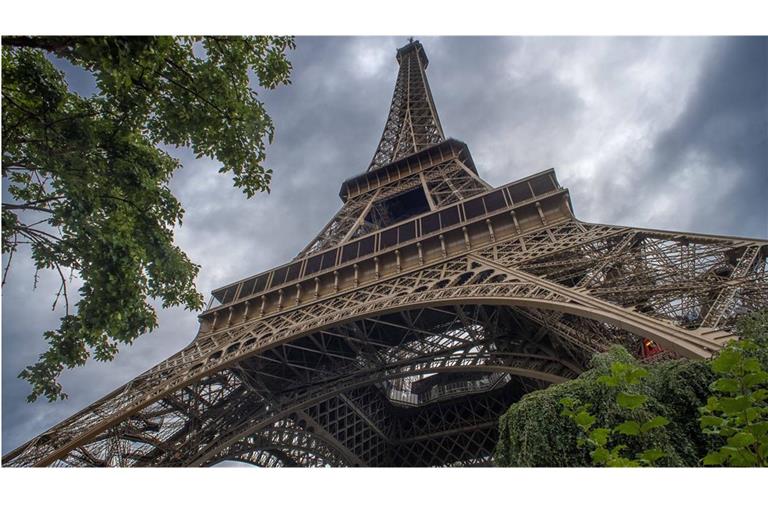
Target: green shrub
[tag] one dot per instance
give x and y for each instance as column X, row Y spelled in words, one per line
column 607, row 442
column 717, row 411
column 736, row 414
column 534, row 433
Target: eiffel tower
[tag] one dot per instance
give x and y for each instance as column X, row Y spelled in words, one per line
column 427, row 305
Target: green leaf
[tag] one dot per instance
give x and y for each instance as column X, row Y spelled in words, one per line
column 600, row 436
column 658, row 421
column 741, row 440
column 635, row 375
column 609, row 380
column 629, row 428
column 623, row 462
column 630, row 401
column 725, row 361
column 619, row 368
column 599, row 455
column 713, row 459
column 713, row 404
column 755, row 379
column 584, row 420
column 753, row 413
column 726, row 385
column 711, row 421
column 734, row 405
column 743, row 458
column 759, row 430
column 652, row 455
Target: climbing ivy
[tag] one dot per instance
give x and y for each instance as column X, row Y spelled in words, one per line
column 606, row 442
column 534, row 433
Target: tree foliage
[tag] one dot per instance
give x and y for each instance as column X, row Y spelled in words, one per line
column 606, row 441
column 737, row 411
column 88, row 181
column 717, row 411
column 533, row 432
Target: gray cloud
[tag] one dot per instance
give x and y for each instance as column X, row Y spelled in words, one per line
column 659, row 132
column 720, row 141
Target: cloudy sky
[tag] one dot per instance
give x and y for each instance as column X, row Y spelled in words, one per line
column 668, row 133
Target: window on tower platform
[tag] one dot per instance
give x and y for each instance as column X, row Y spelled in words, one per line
column 398, row 208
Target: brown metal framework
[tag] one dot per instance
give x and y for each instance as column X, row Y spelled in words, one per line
column 429, row 304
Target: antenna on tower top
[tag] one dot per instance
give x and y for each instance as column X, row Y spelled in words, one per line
column 410, row 39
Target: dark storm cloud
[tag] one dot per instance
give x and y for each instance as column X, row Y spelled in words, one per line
column 658, row 132
column 707, row 169
column 724, row 130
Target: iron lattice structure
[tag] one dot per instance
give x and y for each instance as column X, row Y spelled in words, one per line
column 423, row 309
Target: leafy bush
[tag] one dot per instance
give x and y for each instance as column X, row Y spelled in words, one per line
column 533, row 432
column 737, row 411
column 606, row 441
column 717, row 411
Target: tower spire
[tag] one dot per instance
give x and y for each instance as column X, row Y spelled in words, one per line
column 412, row 123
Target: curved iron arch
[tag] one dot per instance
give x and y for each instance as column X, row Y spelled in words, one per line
column 542, row 295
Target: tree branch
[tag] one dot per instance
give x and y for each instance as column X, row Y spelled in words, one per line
column 62, row 288
column 10, row 257
column 51, row 44
column 195, row 94
column 26, row 207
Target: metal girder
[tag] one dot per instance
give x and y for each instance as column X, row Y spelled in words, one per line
column 451, row 182
column 510, row 286
column 284, row 443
